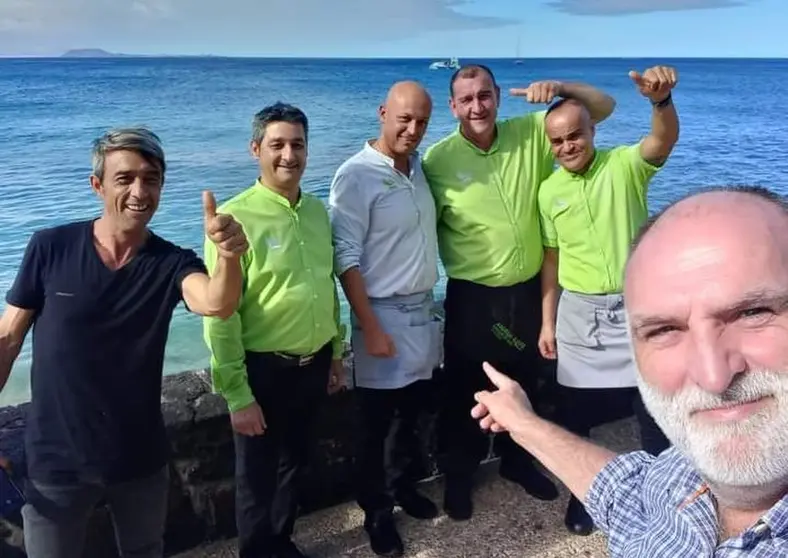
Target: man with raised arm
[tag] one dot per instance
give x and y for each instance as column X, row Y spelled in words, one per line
column 484, row 178
column 383, row 219
column 707, row 308
column 100, row 294
column 591, row 209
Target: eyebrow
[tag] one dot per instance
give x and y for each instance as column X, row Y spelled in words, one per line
column 770, row 298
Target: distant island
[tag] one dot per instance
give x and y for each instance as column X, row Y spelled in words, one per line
column 90, row 53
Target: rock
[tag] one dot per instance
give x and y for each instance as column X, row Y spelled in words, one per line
column 202, row 494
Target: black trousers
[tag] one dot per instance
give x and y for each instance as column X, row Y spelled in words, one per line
column 496, row 324
column 267, row 467
column 580, row 410
column 388, row 448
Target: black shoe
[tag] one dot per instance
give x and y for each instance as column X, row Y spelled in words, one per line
column 532, row 481
column 577, row 520
column 457, row 501
column 288, row 549
column 383, row 536
column 416, row 505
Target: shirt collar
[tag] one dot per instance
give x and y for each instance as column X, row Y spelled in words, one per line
column 372, row 152
column 596, row 162
column 270, row 194
column 469, row 143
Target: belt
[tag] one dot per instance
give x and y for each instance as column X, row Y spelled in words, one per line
column 297, row 360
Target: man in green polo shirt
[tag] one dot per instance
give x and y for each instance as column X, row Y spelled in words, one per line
column 484, row 179
column 277, row 356
column 591, row 209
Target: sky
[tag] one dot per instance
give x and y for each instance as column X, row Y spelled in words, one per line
column 415, row 28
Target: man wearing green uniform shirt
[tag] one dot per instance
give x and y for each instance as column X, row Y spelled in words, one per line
column 277, row 356
column 484, row 178
column 591, row 209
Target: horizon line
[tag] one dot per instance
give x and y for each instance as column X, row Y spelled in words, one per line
column 110, row 55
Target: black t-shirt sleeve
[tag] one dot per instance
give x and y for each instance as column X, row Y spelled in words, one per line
column 188, row 262
column 27, row 290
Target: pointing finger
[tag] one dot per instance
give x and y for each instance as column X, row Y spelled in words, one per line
column 499, row 380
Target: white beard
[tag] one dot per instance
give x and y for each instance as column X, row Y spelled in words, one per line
column 752, row 452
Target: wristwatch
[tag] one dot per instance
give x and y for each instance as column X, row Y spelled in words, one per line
column 664, row 102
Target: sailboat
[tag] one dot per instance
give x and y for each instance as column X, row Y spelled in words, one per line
column 517, row 59
column 451, row 64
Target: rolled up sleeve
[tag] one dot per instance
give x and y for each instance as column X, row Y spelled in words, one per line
column 615, row 500
column 349, row 212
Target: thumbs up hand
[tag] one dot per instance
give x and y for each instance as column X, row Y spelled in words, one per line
column 655, row 83
column 223, row 230
column 502, row 410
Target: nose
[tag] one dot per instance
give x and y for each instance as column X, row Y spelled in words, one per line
column 287, row 153
column 137, row 188
column 413, row 128
column 476, row 106
column 715, row 360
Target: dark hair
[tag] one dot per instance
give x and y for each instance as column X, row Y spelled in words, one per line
column 778, row 200
column 278, row 112
column 471, row 71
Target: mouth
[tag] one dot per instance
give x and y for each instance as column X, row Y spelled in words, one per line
column 737, row 411
column 288, row 168
column 138, row 207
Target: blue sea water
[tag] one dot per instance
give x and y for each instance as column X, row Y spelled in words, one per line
column 733, row 131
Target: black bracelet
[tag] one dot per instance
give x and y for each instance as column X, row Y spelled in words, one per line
column 664, row 102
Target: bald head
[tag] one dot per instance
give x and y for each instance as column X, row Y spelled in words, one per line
column 407, row 91
column 571, row 132
column 725, row 211
column 404, row 117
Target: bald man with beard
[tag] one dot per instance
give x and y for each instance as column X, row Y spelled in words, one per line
column 383, row 220
column 707, row 308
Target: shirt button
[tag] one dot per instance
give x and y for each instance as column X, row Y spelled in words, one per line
column 301, row 243
column 309, row 269
column 315, row 296
column 317, row 325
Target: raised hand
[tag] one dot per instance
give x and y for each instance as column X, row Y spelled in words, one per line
column 539, row 91
column 223, row 230
column 655, row 83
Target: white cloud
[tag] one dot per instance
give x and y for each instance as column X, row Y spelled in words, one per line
column 621, row 7
column 254, row 26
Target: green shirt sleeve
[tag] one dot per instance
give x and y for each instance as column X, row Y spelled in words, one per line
column 639, row 170
column 228, row 355
column 549, row 234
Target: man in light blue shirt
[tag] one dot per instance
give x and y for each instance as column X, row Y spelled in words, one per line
column 706, row 286
column 383, row 221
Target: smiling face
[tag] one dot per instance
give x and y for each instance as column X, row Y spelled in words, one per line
column 707, row 298
column 571, row 133
column 474, row 103
column 130, row 186
column 404, row 118
column 282, row 154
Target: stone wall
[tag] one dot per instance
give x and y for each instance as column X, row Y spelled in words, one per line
column 202, row 491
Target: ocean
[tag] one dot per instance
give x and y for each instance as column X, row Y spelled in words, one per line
column 732, row 131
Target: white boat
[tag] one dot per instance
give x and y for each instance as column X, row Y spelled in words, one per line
column 451, row 64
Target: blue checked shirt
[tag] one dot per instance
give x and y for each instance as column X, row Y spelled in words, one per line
column 660, row 508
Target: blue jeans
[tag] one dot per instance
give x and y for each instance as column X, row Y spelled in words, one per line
column 56, row 516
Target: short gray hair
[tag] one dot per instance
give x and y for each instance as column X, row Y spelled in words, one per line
column 139, row 139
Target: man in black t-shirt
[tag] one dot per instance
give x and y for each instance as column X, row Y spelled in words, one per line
column 99, row 295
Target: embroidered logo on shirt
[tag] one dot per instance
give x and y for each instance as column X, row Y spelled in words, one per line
column 464, row 177
column 560, row 204
column 389, row 183
column 273, row 243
